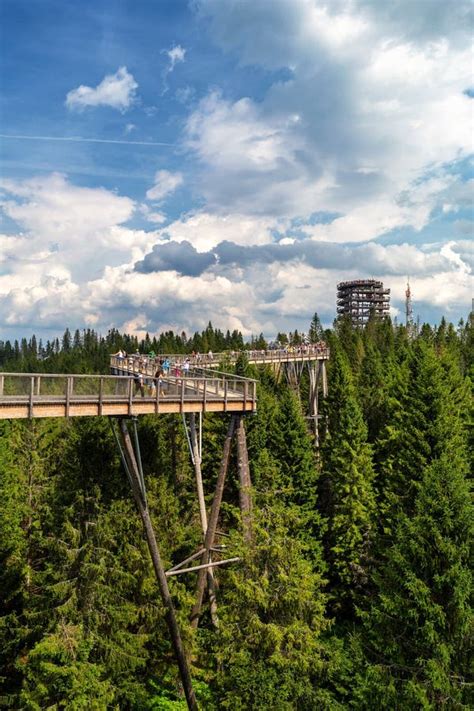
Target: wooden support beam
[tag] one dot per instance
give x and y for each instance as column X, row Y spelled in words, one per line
column 212, row 524
column 245, row 483
column 158, row 567
column 324, row 378
column 206, row 566
column 197, row 469
column 313, row 370
column 189, row 559
column 196, row 451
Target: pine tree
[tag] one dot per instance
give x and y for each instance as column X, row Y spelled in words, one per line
column 372, row 387
column 291, row 445
column 26, row 484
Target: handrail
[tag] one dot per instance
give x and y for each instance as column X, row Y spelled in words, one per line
column 316, row 349
column 29, row 386
column 121, row 378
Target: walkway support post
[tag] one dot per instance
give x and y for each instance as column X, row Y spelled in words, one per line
column 212, row 523
column 314, row 373
column 196, row 451
column 245, row 483
column 133, row 473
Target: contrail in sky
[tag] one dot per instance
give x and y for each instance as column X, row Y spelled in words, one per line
column 80, row 139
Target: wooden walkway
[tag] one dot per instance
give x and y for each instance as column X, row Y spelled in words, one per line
column 136, row 363
column 32, row 395
column 201, row 389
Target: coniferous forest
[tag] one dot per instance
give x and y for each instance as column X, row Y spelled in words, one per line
column 356, row 590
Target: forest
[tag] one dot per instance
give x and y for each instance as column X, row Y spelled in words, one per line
column 356, row 589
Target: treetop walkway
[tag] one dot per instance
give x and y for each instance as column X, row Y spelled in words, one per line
column 190, row 383
column 137, row 362
column 32, row 395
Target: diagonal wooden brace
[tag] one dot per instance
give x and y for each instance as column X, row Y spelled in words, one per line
column 212, row 524
column 135, row 481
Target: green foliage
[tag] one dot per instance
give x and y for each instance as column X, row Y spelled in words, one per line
column 416, row 635
column 356, row 589
column 347, row 495
column 315, row 332
column 426, row 418
column 269, row 653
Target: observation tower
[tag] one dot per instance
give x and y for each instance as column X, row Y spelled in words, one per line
column 362, row 298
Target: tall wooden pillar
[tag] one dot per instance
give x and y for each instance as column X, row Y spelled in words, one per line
column 314, row 373
column 212, row 522
column 245, row 482
column 202, row 512
column 136, row 482
column 324, row 378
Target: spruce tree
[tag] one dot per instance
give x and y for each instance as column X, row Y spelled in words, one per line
column 271, row 653
column 426, row 418
column 372, row 390
column 315, row 332
column 347, row 496
column 416, row 634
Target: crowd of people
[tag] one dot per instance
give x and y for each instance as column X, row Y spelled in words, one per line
column 179, row 365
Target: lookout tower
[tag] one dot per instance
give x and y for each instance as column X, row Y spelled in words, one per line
column 361, row 299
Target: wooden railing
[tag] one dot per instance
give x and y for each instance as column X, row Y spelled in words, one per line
column 144, row 363
column 54, row 395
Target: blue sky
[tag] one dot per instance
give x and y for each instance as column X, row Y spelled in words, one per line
column 305, row 143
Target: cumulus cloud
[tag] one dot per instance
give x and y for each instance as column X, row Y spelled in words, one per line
column 369, row 124
column 204, row 230
column 349, row 130
column 252, row 163
column 165, row 183
column 242, row 272
column 152, row 215
column 77, row 228
column 116, row 90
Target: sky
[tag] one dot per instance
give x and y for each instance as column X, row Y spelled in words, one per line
column 169, row 163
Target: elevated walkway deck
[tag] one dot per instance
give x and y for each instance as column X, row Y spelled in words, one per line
column 32, row 395
column 200, row 389
column 137, row 363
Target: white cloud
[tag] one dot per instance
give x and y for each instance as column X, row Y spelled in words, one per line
column 152, row 216
column 366, row 125
column 73, row 257
column 252, row 163
column 258, row 294
column 175, row 55
column 205, row 230
column 66, row 225
column 115, row 90
column 368, row 110
column 165, row 183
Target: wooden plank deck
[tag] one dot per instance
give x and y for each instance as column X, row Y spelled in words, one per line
column 35, row 395
column 48, row 408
